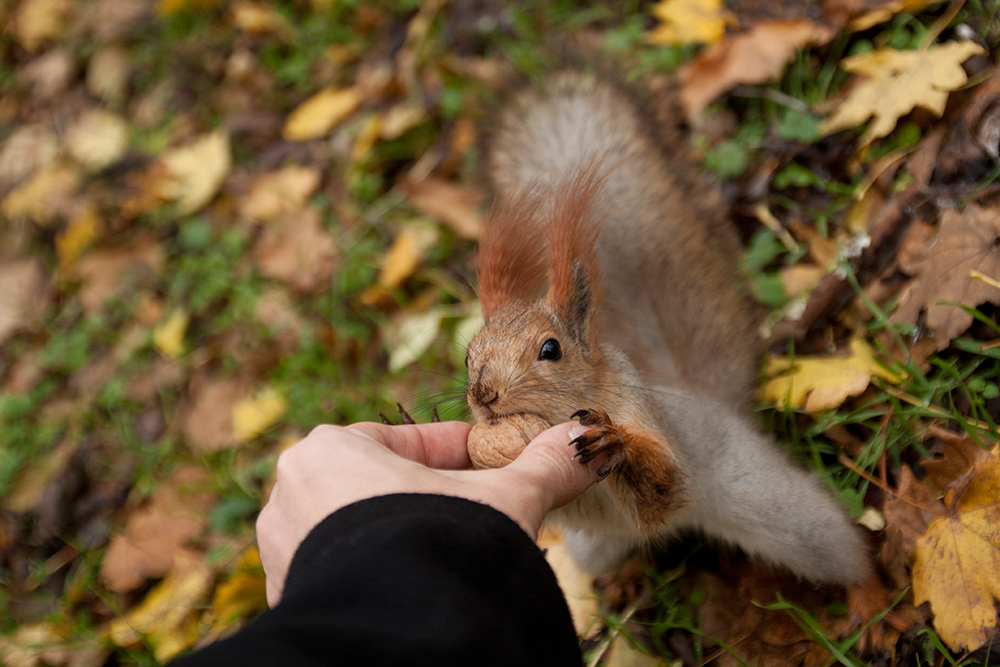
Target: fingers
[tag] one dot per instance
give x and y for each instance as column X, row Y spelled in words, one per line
column 548, row 462
column 440, row 445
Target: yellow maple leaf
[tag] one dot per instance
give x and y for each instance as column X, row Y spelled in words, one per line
column 254, row 415
column 898, row 81
column 196, row 171
column 319, row 114
column 241, row 594
column 689, row 22
column 820, row 382
column 168, row 337
column 957, row 561
column 886, row 11
column 164, row 616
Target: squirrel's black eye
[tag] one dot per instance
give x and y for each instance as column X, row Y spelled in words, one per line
column 550, row 351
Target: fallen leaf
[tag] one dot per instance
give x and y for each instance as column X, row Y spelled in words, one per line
column 21, row 283
column 46, row 644
column 39, row 21
column 259, row 18
column 966, row 242
column 960, row 453
column 898, row 81
column 109, row 273
column 167, row 7
column 98, row 139
column 277, row 192
column 367, row 137
column 44, row 197
column 406, row 254
column 29, row 486
column 751, row 57
column 689, row 22
column 254, row 415
column 906, row 522
column 80, row 234
column 315, row 117
column 196, row 171
column 816, row 383
column 957, row 565
column 410, row 335
column 26, row 150
column 454, row 205
column 298, row 249
column 156, row 534
column 168, row 337
column 577, row 586
column 243, row 593
column 401, row 118
column 207, row 424
column 164, row 616
column 108, row 74
column 886, row 11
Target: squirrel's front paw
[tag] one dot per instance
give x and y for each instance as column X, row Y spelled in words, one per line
column 605, row 438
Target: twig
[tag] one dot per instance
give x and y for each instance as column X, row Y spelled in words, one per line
column 935, row 30
column 849, row 463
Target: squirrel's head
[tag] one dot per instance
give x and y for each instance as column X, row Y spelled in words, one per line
column 539, row 288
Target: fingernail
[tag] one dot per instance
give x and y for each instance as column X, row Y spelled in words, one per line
column 596, row 465
column 578, row 430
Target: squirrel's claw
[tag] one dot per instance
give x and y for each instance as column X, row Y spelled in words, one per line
column 435, row 418
column 404, row 417
column 605, row 438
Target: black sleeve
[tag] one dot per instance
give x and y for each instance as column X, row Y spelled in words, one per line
column 410, row 579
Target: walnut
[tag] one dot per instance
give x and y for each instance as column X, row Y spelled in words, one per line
column 493, row 443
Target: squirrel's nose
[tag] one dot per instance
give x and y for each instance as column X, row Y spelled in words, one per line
column 484, row 394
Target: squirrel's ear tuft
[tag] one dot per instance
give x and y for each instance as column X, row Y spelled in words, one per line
column 574, row 274
column 511, row 252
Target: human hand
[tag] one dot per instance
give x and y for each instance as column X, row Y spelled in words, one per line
column 335, row 466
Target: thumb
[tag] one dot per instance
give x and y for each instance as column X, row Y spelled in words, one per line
column 549, row 465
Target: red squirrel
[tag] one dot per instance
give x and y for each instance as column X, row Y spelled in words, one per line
column 610, row 289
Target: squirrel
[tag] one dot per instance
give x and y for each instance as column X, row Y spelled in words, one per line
column 610, row 289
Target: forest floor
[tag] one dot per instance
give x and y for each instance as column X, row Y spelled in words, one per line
column 226, row 221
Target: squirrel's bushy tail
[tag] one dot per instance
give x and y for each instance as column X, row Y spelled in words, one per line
column 673, row 297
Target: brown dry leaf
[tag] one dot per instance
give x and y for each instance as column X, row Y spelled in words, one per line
column 898, row 81
column 966, row 242
column 108, row 73
column 905, row 523
column 816, row 383
column 454, row 205
column 109, row 273
column 45, row 196
column 196, row 171
column 165, row 616
column 46, row 644
column 577, row 586
column 279, row 191
column 26, row 150
column 39, row 21
column 155, row 534
column 80, row 234
column 297, row 249
column 960, row 454
column 21, row 283
column 255, row 414
column 957, row 566
column 28, row 487
column 689, row 22
column 208, row 423
column 315, row 117
column 98, row 139
column 751, row 57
